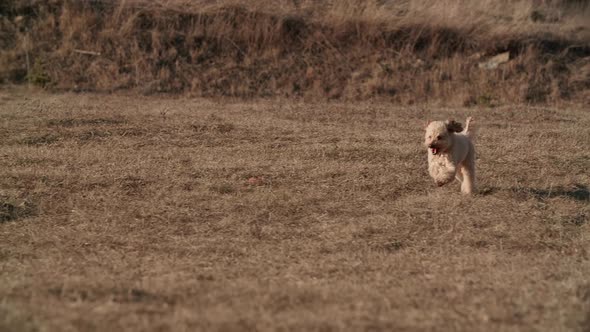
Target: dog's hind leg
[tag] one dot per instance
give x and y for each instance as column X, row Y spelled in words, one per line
column 459, row 175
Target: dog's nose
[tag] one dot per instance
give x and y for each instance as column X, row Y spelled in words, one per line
column 431, row 145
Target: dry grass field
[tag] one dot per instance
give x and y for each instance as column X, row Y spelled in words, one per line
column 129, row 213
column 227, row 165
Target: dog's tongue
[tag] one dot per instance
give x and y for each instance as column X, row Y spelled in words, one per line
column 434, row 150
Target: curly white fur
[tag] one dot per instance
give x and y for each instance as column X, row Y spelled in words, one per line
column 451, row 153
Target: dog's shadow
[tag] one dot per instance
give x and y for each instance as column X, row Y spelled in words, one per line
column 577, row 192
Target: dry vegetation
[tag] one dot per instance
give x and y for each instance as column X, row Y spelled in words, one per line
column 300, row 210
column 163, row 214
column 403, row 51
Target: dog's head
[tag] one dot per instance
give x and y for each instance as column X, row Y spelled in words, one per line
column 438, row 135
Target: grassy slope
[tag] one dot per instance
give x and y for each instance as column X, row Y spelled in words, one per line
column 138, row 214
column 407, row 52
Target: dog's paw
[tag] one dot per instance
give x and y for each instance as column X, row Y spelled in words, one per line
column 441, row 180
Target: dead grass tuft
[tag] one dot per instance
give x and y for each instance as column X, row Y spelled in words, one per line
column 73, row 122
column 43, row 139
column 13, row 209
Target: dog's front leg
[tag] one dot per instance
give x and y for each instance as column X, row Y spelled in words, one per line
column 468, row 170
column 442, row 173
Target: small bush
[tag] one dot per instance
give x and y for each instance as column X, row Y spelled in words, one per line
column 38, row 75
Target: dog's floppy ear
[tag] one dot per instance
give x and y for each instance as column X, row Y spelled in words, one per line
column 454, row 126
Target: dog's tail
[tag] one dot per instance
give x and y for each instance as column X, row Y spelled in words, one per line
column 469, row 130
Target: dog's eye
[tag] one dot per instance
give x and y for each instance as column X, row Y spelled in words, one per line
column 438, row 137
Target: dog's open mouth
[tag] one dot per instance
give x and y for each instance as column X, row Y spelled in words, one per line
column 434, row 151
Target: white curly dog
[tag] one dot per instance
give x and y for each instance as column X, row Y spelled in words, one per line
column 451, row 153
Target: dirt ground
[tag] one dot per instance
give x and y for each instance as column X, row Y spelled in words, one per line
column 173, row 214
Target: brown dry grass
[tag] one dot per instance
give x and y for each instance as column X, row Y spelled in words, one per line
column 403, row 51
column 126, row 213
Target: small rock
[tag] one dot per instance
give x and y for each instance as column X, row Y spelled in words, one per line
column 493, row 62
